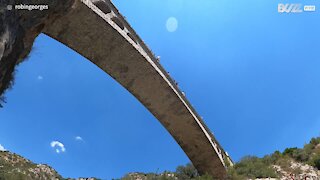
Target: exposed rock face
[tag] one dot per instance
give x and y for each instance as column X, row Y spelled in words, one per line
column 298, row 171
column 18, row 31
column 15, row 167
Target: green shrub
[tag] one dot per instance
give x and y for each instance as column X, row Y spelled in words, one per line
column 233, row 175
column 315, row 141
column 187, row 172
column 254, row 167
column 315, row 161
column 290, row 151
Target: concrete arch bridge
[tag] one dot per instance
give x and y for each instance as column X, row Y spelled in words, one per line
column 96, row 30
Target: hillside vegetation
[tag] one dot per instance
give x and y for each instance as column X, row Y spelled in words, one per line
column 292, row 163
column 15, row 167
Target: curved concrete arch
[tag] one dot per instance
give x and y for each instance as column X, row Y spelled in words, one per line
column 96, row 30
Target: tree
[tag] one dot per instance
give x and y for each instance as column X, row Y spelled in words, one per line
column 187, row 172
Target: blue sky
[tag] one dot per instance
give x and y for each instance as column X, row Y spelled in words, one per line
column 252, row 73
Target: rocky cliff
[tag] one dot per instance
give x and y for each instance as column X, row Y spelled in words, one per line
column 15, row 167
column 18, row 29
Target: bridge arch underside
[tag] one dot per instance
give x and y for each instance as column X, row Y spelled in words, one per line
column 92, row 31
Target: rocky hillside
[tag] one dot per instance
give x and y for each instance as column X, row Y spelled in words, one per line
column 15, row 167
column 292, row 163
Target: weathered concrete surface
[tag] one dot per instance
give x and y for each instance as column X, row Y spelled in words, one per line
column 18, row 29
column 96, row 30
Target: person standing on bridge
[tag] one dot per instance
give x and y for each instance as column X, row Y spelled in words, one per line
column 183, row 93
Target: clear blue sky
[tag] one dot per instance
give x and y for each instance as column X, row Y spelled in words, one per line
column 252, row 73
